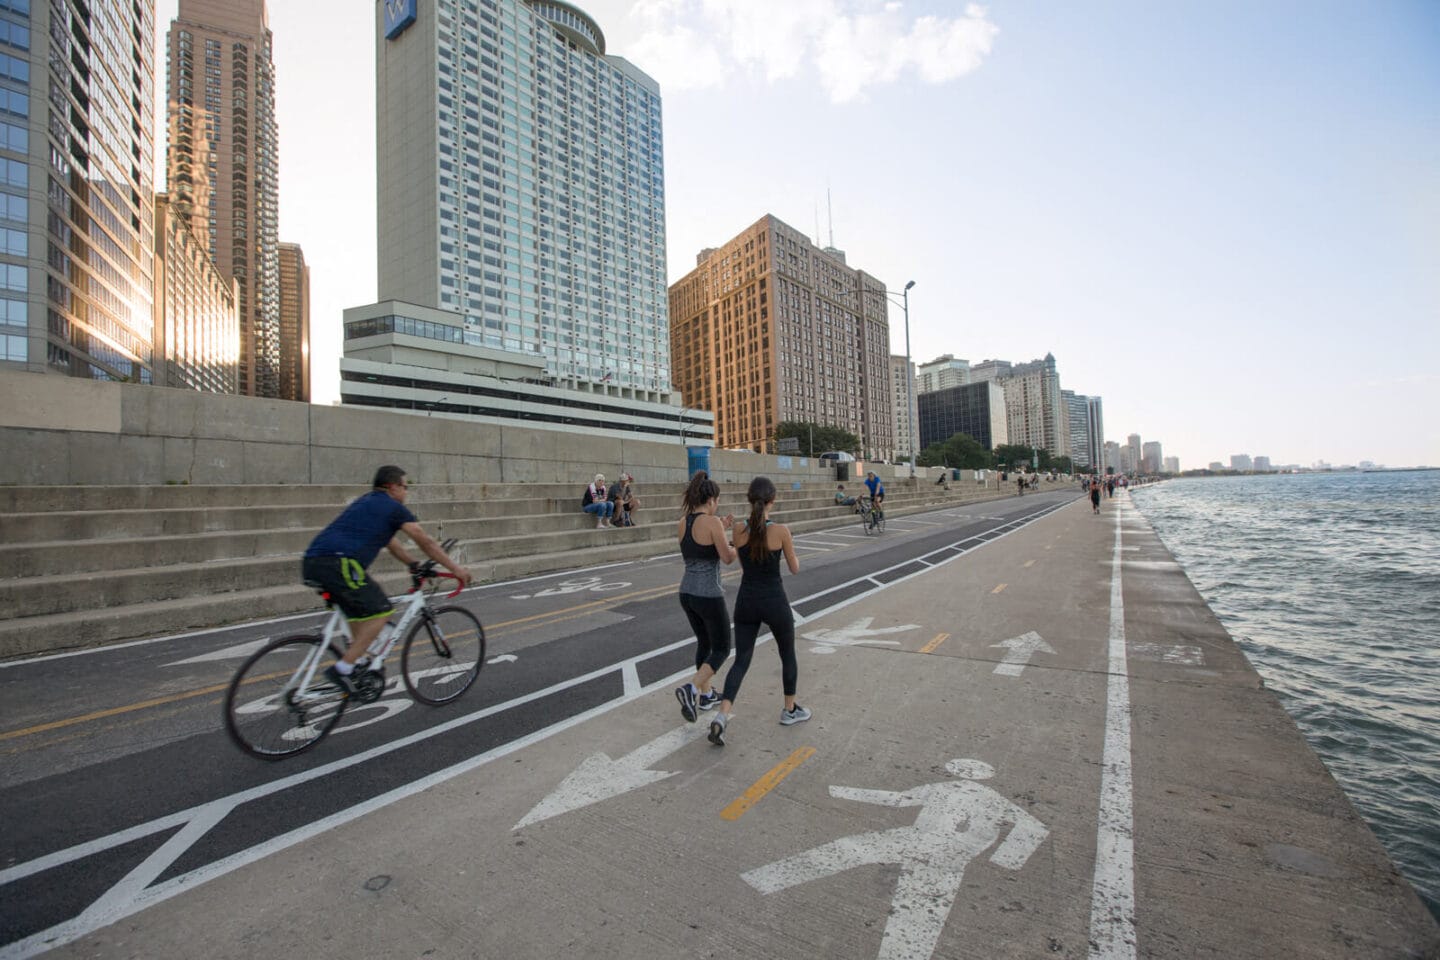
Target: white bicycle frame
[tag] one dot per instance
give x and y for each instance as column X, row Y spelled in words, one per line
column 337, row 632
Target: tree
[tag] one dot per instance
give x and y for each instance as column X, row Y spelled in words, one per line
column 824, row 438
column 1062, row 465
column 961, row 450
column 1008, row 456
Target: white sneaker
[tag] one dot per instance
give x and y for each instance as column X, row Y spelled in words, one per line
column 798, row 715
column 599, row 524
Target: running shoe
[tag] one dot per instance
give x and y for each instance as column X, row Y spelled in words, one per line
column 798, row 715
column 717, row 729
column 710, row 700
column 685, row 693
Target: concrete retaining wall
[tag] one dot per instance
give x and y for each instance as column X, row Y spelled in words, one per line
column 63, row 431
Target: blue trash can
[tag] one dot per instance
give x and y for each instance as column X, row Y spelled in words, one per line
column 698, row 459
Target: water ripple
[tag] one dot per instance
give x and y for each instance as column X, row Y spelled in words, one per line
column 1330, row 584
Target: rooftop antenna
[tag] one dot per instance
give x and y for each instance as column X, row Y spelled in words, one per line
column 830, row 217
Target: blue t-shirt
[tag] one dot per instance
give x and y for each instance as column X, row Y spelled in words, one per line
column 875, row 486
column 362, row 529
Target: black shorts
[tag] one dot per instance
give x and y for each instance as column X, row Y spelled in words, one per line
column 351, row 589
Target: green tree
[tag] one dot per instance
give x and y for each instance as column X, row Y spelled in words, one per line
column 824, row 438
column 1061, row 465
column 961, row 450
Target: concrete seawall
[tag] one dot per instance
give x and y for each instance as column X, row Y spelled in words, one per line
column 60, row 430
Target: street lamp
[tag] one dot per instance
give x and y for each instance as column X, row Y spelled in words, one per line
column 680, row 420
column 434, row 403
column 909, row 381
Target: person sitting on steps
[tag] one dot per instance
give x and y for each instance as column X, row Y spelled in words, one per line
column 595, row 501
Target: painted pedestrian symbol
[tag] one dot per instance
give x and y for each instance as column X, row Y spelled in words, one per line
column 958, row 821
column 855, row 634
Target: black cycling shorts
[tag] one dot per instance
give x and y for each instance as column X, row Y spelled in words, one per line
column 349, row 586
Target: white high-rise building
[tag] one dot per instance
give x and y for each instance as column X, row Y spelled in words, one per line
column 941, row 373
column 904, row 399
column 1095, row 427
column 521, row 186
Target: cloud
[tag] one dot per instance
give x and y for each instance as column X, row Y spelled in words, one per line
column 850, row 45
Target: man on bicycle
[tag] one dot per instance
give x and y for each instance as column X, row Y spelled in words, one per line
column 337, row 558
column 877, row 491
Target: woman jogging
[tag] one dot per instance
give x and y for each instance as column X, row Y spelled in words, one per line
column 704, row 546
column 762, row 600
column 1095, row 495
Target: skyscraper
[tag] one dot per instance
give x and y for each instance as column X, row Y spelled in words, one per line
column 1153, row 457
column 1035, row 415
column 1133, row 456
column 197, row 319
column 521, row 185
column 1077, row 408
column 223, row 166
column 294, row 324
column 770, row 328
column 903, row 403
column 974, row 409
column 1095, row 427
column 940, row 373
column 77, row 230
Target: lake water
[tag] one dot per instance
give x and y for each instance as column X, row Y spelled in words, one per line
column 1330, row 583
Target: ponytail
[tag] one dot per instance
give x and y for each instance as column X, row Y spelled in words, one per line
column 761, row 494
column 700, row 491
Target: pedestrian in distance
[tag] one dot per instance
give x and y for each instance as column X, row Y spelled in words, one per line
column 338, row 559
column 704, row 545
column 1095, row 495
column 762, row 600
column 595, row 501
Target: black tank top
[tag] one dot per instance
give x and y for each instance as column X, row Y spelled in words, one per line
column 702, row 564
column 760, row 577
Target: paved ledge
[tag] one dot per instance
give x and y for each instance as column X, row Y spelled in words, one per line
column 874, row 830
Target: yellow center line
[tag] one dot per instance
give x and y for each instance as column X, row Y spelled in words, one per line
column 765, row 784
column 999, row 588
column 116, row 711
column 939, row 639
column 567, row 613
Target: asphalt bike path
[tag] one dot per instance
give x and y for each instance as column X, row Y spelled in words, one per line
column 166, row 774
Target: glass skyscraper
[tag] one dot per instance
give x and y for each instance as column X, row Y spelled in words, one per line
column 223, row 164
column 521, row 186
column 76, row 193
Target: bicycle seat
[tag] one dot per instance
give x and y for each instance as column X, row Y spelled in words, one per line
column 324, row 594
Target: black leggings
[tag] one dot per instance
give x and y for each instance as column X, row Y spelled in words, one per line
column 711, row 623
column 774, row 612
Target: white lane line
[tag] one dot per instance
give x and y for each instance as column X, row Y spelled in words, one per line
column 197, row 819
column 821, row 543
column 1112, row 895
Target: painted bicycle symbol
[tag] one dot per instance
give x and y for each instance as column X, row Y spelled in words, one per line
column 591, row 584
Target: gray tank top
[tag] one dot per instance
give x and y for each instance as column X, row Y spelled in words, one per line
column 702, row 565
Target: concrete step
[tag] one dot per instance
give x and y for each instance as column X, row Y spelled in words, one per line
column 155, row 602
column 41, row 613
column 498, row 535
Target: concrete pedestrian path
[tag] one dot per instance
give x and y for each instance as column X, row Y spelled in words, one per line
column 1046, row 746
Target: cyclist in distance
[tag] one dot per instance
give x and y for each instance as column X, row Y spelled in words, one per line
column 338, row 557
column 877, row 491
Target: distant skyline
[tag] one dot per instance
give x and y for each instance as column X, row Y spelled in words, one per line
column 1223, row 219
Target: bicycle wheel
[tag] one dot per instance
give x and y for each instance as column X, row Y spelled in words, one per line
column 267, row 713
column 443, row 654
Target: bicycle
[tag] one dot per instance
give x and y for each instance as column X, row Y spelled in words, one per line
column 872, row 519
column 277, row 707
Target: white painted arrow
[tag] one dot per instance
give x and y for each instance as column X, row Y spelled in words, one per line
column 225, row 653
column 600, row 778
column 503, row 658
column 855, row 634
column 1018, row 651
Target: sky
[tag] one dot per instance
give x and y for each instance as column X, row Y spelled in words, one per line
column 1223, row 218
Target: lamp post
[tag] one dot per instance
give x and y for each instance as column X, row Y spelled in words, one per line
column 680, row 420
column 434, row 403
column 909, row 381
